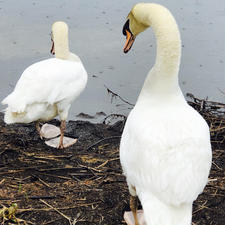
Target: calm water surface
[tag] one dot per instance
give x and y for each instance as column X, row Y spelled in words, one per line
column 95, row 35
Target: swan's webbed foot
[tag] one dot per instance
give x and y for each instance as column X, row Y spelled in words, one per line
column 62, row 141
column 55, row 142
column 129, row 218
column 49, row 131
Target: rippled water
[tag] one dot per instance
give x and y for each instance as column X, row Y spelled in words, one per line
column 95, row 35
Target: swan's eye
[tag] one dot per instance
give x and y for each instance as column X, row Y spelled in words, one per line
column 126, row 27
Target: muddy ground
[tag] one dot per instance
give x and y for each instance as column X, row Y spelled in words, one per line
column 83, row 184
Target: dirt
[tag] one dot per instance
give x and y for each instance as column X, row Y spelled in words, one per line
column 83, row 184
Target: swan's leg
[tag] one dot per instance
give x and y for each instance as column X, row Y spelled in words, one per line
column 133, row 202
column 133, row 207
column 62, row 130
column 63, row 142
column 134, row 217
column 38, row 128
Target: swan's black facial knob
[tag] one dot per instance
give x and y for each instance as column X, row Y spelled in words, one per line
column 126, row 26
column 53, row 47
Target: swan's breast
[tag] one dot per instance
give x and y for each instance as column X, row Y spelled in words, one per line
column 162, row 150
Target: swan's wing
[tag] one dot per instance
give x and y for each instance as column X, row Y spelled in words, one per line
column 169, row 160
column 49, row 81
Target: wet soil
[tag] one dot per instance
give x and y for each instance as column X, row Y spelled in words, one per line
column 83, row 184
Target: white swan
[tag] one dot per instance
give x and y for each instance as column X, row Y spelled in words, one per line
column 47, row 88
column 165, row 149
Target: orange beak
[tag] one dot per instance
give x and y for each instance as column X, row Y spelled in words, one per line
column 129, row 41
column 53, row 48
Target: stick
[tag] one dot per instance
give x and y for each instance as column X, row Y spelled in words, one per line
column 63, row 208
column 116, row 95
column 62, row 214
column 104, row 139
column 44, row 182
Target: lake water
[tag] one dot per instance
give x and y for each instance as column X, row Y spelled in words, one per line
column 95, row 35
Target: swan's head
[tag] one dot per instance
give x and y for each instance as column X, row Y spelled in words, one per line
column 136, row 23
column 59, row 37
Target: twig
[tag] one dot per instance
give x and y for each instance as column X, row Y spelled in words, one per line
column 2, row 181
column 62, row 214
column 3, row 151
column 217, row 166
column 43, row 182
column 42, row 197
column 12, row 171
column 107, row 161
column 90, row 168
column 208, row 101
column 104, row 139
column 51, row 175
column 51, row 157
column 203, row 206
column 62, row 208
column 57, row 169
column 217, row 129
column 52, row 221
column 116, row 95
column 29, row 197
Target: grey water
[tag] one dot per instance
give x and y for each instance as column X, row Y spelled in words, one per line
column 95, row 35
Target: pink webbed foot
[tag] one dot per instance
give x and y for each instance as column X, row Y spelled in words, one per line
column 49, row 131
column 129, row 219
column 55, row 142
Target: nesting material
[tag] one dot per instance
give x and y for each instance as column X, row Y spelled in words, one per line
column 67, row 141
column 129, row 219
column 49, row 131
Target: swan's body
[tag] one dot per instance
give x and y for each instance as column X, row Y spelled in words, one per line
column 47, row 88
column 165, row 149
column 44, row 90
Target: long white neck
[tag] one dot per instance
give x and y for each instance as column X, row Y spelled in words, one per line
column 61, row 40
column 62, row 47
column 62, row 50
column 162, row 80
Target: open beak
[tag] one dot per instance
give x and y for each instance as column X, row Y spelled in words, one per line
column 53, row 48
column 129, row 41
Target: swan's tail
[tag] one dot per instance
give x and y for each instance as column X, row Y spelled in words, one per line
column 160, row 213
column 13, row 117
column 30, row 113
column 15, row 111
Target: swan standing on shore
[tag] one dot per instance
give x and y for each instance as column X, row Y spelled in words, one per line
column 48, row 88
column 165, row 149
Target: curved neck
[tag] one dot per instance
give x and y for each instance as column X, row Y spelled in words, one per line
column 163, row 78
column 168, row 48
